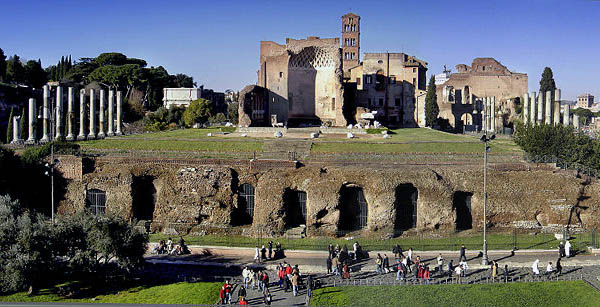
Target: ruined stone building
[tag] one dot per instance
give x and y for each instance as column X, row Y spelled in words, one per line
column 303, row 79
column 393, row 85
column 459, row 96
column 317, row 81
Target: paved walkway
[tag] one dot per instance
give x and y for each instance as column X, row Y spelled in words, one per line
column 232, row 259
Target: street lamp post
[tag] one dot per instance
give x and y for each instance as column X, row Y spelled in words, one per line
column 485, row 139
column 52, row 109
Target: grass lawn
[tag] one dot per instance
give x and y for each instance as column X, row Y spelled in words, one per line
column 472, row 242
column 177, row 293
column 566, row 293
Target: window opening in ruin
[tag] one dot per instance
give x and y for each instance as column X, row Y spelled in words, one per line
column 406, row 207
column 414, row 70
column 244, row 213
column 295, row 208
column 357, row 81
column 368, row 79
column 143, row 197
column 96, row 201
column 461, row 203
column 353, row 209
column 379, row 80
column 281, row 74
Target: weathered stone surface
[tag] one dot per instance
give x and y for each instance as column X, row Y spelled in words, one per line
column 207, row 196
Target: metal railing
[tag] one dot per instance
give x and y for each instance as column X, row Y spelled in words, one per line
column 563, row 164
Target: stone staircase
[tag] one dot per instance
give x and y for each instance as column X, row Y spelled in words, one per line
column 286, row 149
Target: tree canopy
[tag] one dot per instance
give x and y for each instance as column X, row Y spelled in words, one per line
column 2, row 65
column 198, row 112
column 15, row 72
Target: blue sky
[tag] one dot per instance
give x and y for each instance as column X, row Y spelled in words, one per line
column 217, row 42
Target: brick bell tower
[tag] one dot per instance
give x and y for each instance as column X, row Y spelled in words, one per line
column 350, row 41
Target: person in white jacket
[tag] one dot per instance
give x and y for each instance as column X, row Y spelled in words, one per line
column 256, row 255
column 534, row 267
column 568, row 249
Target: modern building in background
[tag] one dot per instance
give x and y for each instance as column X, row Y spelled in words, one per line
column 585, row 101
column 185, row 96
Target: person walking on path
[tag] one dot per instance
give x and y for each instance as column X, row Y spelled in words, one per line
column 270, row 247
column 267, row 298
column 401, row 270
column 561, row 250
column 535, row 269
column 386, row 264
column 450, row 268
column 263, row 252
column 241, row 293
column 494, row 267
column 463, row 253
column 295, row 280
column 440, row 263
column 549, row 270
column 458, row 271
column 409, row 255
column 329, row 264
column 568, row 249
column 506, row 273
column 309, row 286
column 464, row 266
column 558, row 267
column 378, row 263
column 256, row 255
column 426, row 275
column 331, row 251
column 346, row 271
column 335, row 263
column 246, row 276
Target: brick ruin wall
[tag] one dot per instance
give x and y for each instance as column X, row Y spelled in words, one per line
column 202, row 196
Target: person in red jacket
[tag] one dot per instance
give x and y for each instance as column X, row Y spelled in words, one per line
column 222, row 295
column 420, row 272
column 227, row 287
column 288, row 271
column 426, row 275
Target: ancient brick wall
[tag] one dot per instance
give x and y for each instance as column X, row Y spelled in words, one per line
column 208, row 195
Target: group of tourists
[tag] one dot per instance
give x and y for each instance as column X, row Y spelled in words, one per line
column 256, row 280
column 268, row 253
column 339, row 259
column 168, row 248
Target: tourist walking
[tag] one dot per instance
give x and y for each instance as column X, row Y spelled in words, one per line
column 426, row 275
column 440, row 263
column 534, row 268
column 464, row 266
column 355, row 250
column 463, row 253
column 568, row 249
column 458, row 270
column 409, row 255
column 169, row 246
column 241, row 293
column 378, row 263
column 549, row 270
column 329, row 265
column 335, row 264
column 331, row 251
column 506, row 273
column 494, row 267
column 346, row 271
column 386, row 264
column 450, row 268
column 295, row 280
column 558, row 267
column 246, row 276
column 267, row 298
column 270, row 246
column 256, row 255
column 309, row 285
column 263, row 252
column 561, row 249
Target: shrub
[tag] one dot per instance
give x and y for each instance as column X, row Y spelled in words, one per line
column 377, row 130
column 218, row 118
column 36, row 154
column 198, row 112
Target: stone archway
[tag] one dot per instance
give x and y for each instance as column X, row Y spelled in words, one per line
column 353, row 208
column 461, row 205
column 406, row 207
column 294, row 203
column 144, row 197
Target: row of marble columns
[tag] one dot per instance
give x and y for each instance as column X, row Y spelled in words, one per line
column 537, row 110
column 488, row 118
column 93, row 132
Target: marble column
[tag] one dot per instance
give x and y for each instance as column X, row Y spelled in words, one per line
column 16, row 131
column 92, row 134
column 81, row 135
column 525, row 104
column 548, row 108
column 31, row 138
column 556, row 115
column 566, row 115
column 540, row 109
column 101, row 116
column 59, row 99
column 576, row 121
column 45, row 111
column 111, row 123
column 118, row 132
column 532, row 109
column 493, row 113
column 70, row 101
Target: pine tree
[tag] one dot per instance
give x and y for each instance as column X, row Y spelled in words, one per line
column 432, row 110
column 2, row 66
column 9, row 129
column 547, row 84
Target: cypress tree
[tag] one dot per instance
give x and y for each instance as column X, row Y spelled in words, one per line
column 547, row 83
column 9, row 129
column 22, row 124
column 432, row 110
